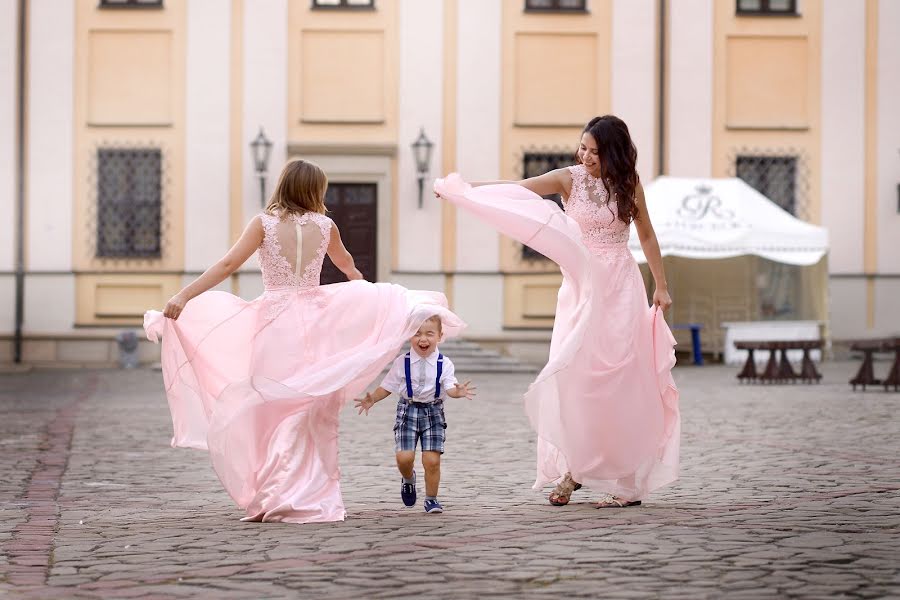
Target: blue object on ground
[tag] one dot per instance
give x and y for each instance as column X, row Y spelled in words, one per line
column 695, row 339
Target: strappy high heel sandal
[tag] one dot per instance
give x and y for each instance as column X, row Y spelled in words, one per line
column 563, row 491
column 610, row 501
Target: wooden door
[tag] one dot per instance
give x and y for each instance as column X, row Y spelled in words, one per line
column 353, row 208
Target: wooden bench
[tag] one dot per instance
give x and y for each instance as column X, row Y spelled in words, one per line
column 866, row 374
column 778, row 368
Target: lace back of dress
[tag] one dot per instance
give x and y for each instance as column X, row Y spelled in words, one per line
column 293, row 249
column 299, row 243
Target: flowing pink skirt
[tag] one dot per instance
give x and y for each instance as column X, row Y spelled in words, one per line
column 605, row 407
column 260, row 384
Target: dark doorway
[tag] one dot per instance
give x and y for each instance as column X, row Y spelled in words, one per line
column 354, row 209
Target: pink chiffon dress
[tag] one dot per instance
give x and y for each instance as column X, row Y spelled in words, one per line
column 605, row 407
column 260, row 383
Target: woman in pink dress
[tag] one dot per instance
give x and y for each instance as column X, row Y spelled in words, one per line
column 605, row 407
column 260, row 383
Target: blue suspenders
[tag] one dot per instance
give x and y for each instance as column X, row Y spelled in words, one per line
column 437, row 384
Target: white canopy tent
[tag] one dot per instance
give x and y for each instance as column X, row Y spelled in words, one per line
column 734, row 255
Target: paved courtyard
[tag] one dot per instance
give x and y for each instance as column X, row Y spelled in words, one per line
column 786, row 492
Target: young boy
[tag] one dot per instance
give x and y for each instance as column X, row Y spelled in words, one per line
column 422, row 378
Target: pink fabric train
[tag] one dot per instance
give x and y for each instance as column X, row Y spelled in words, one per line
column 261, row 383
column 605, row 407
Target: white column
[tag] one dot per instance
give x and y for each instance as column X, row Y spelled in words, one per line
column 478, row 290
column 478, row 124
column 888, row 168
column 50, row 299
column 689, row 105
column 50, row 128
column 421, row 105
column 9, row 27
column 634, row 76
column 207, row 134
column 265, row 91
column 265, row 74
column 843, row 131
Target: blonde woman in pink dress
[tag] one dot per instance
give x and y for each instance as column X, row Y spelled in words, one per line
column 260, row 383
column 605, row 407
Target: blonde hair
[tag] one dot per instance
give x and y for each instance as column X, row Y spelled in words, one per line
column 435, row 319
column 301, row 188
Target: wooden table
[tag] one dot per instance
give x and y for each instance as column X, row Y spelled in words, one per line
column 866, row 374
column 778, row 368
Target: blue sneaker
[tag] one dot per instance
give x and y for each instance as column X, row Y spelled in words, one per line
column 433, row 506
column 408, row 491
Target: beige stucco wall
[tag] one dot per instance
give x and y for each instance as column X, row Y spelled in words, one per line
column 766, row 91
column 342, row 74
column 556, row 75
column 129, row 91
column 488, row 81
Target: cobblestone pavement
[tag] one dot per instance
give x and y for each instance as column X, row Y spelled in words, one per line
column 786, row 492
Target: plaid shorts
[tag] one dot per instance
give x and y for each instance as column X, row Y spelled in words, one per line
column 417, row 421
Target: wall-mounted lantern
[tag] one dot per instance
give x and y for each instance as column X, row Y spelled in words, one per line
column 422, row 151
column 261, row 148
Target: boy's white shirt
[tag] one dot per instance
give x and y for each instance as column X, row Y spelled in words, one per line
column 422, row 374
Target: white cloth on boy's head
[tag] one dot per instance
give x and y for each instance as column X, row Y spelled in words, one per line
column 422, row 374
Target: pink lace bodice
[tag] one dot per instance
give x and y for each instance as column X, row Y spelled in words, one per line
column 589, row 206
column 277, row 271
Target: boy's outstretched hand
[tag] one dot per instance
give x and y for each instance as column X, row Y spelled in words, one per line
column 464, row 390
column 364, row 404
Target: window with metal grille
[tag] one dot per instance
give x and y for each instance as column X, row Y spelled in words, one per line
column 129, row 203
column 538, row 163
column 775, row 177
column 556, row 5
column 131, row 3
column 767, row 7
column 348, row 4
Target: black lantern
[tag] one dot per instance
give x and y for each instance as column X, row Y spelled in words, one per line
column 422, row 151
column 261, row 148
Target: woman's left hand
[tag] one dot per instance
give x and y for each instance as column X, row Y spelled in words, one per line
column 662, row 299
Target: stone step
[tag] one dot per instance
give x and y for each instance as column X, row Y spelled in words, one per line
column 469, row 357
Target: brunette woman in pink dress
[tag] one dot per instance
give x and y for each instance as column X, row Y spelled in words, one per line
column 605, row 407
column 260, row 383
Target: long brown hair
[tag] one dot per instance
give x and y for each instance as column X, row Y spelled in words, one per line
column 301, row 188
column 618, row 158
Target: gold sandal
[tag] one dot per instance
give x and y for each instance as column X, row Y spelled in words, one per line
column 610, row 501
column 560, row 496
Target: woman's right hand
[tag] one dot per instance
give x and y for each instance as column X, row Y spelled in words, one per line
column 354, row 275
column 175, row 305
